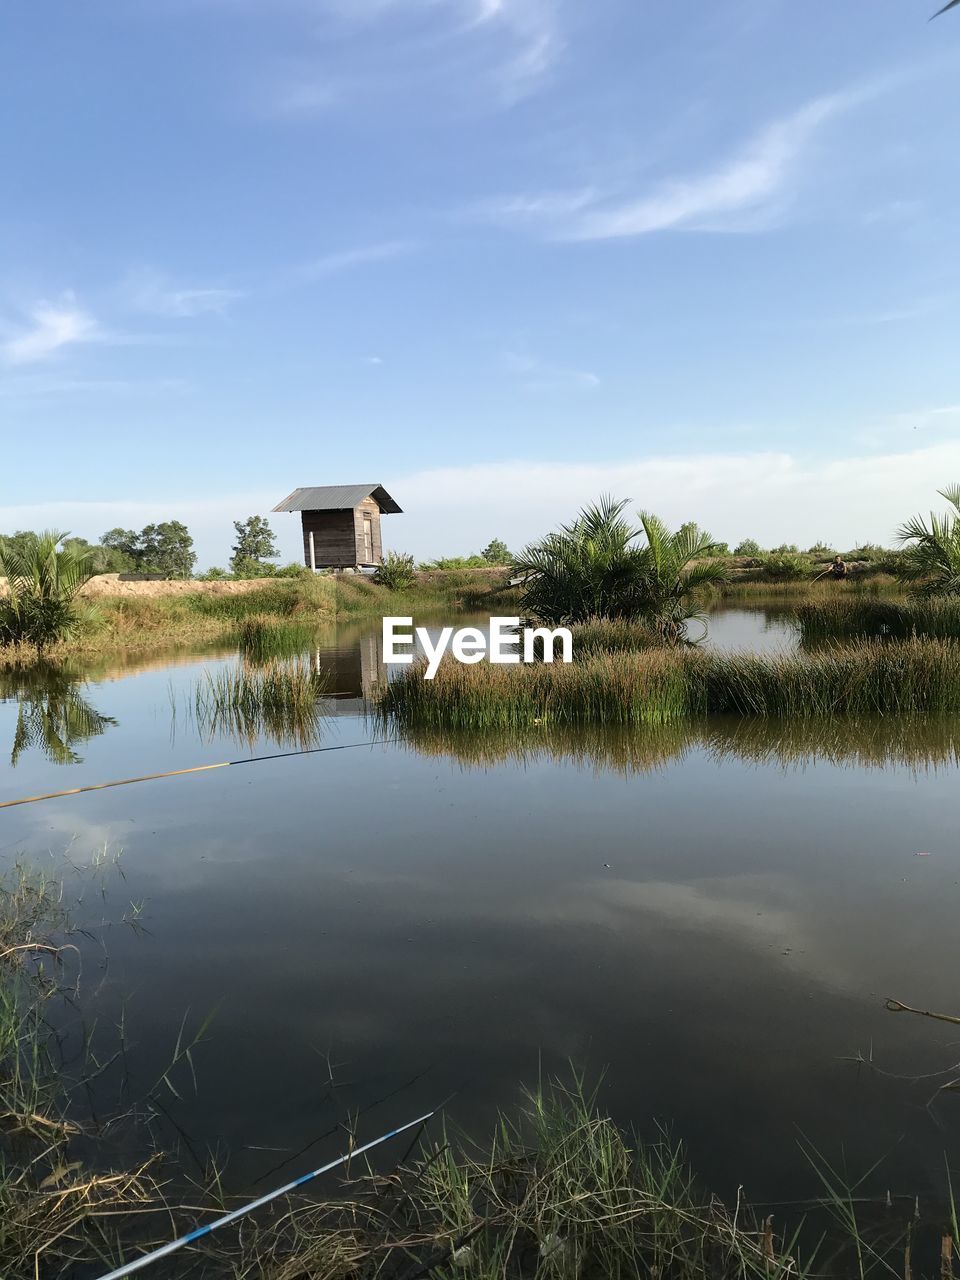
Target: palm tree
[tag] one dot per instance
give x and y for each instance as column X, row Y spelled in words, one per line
column 931, row 561
column 594, row 568
column 44, row 578
column 675, row 566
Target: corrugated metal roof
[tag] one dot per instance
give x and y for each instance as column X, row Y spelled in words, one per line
column 338, row 497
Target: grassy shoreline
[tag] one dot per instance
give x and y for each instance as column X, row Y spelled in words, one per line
column 184, row 613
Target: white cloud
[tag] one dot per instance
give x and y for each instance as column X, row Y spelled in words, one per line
column 148, row 290
column 52, row 326
column 333, row 263
column 773, row 497
column 744, row 192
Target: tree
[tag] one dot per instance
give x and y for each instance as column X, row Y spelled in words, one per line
column 748, row 547
column 931, row 557
column 44, row 578
column 593, row 568
column 497, row 552
column 255, row 542
column 124, row 544
column 167, row 548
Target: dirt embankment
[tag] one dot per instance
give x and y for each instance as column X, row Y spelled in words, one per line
column 111, row 584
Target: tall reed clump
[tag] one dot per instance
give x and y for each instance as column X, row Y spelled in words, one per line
column 261, row 638
column 867, row 619
column 280, row 700
column 913, row 677
column 650, row 689
column 613, row 635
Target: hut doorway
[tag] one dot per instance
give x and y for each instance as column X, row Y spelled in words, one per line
column 368, row 539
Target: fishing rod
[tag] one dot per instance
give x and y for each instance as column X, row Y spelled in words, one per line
column 197, row 768
column 148, row 1258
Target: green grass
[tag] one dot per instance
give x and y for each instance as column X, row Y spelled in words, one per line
column 261, row 638
column 657, row 687
column 755, row 587
column 613, row 635
column 865, row 619
column 186, row 617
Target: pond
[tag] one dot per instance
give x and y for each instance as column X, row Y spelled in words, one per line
column 709, row 918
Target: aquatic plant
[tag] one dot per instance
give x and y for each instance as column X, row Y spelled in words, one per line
column 612, row 635
column 261, row 638
column 659, row 686
column 847, row 617
column 280, row 700
column 44, row 576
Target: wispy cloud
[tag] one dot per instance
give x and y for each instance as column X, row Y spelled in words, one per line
column 535, row 375
column 50, row 327
column 499, row 51
column 532, row 30
column 330, row 264
column 151, row 292
column 746, row 191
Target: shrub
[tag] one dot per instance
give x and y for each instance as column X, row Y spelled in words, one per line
column 396, row 572
column 748, row 547
column 783, row 566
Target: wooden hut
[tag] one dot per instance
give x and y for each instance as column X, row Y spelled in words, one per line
column 341, row 524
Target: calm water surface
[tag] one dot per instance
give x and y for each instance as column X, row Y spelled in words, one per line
column 714, row 915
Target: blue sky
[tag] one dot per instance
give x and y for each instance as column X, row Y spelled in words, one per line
column 498, row 255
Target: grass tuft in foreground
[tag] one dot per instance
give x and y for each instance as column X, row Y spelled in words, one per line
column 657, row 687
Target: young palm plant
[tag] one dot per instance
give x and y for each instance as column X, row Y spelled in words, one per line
column 43, row 581
column 595, row 567
column 674, row 567
column 931, row 559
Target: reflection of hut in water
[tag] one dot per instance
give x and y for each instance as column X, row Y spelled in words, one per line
column 353, row 666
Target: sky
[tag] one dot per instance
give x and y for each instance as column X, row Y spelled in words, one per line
column 500, row 256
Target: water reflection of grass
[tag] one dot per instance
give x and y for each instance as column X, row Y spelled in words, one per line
column 281, row 701
column 917, row 743
column 655, row 687
column 53, row 716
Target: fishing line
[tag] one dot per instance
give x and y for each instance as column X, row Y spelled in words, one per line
column 197, row 768
column 191, row 1236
